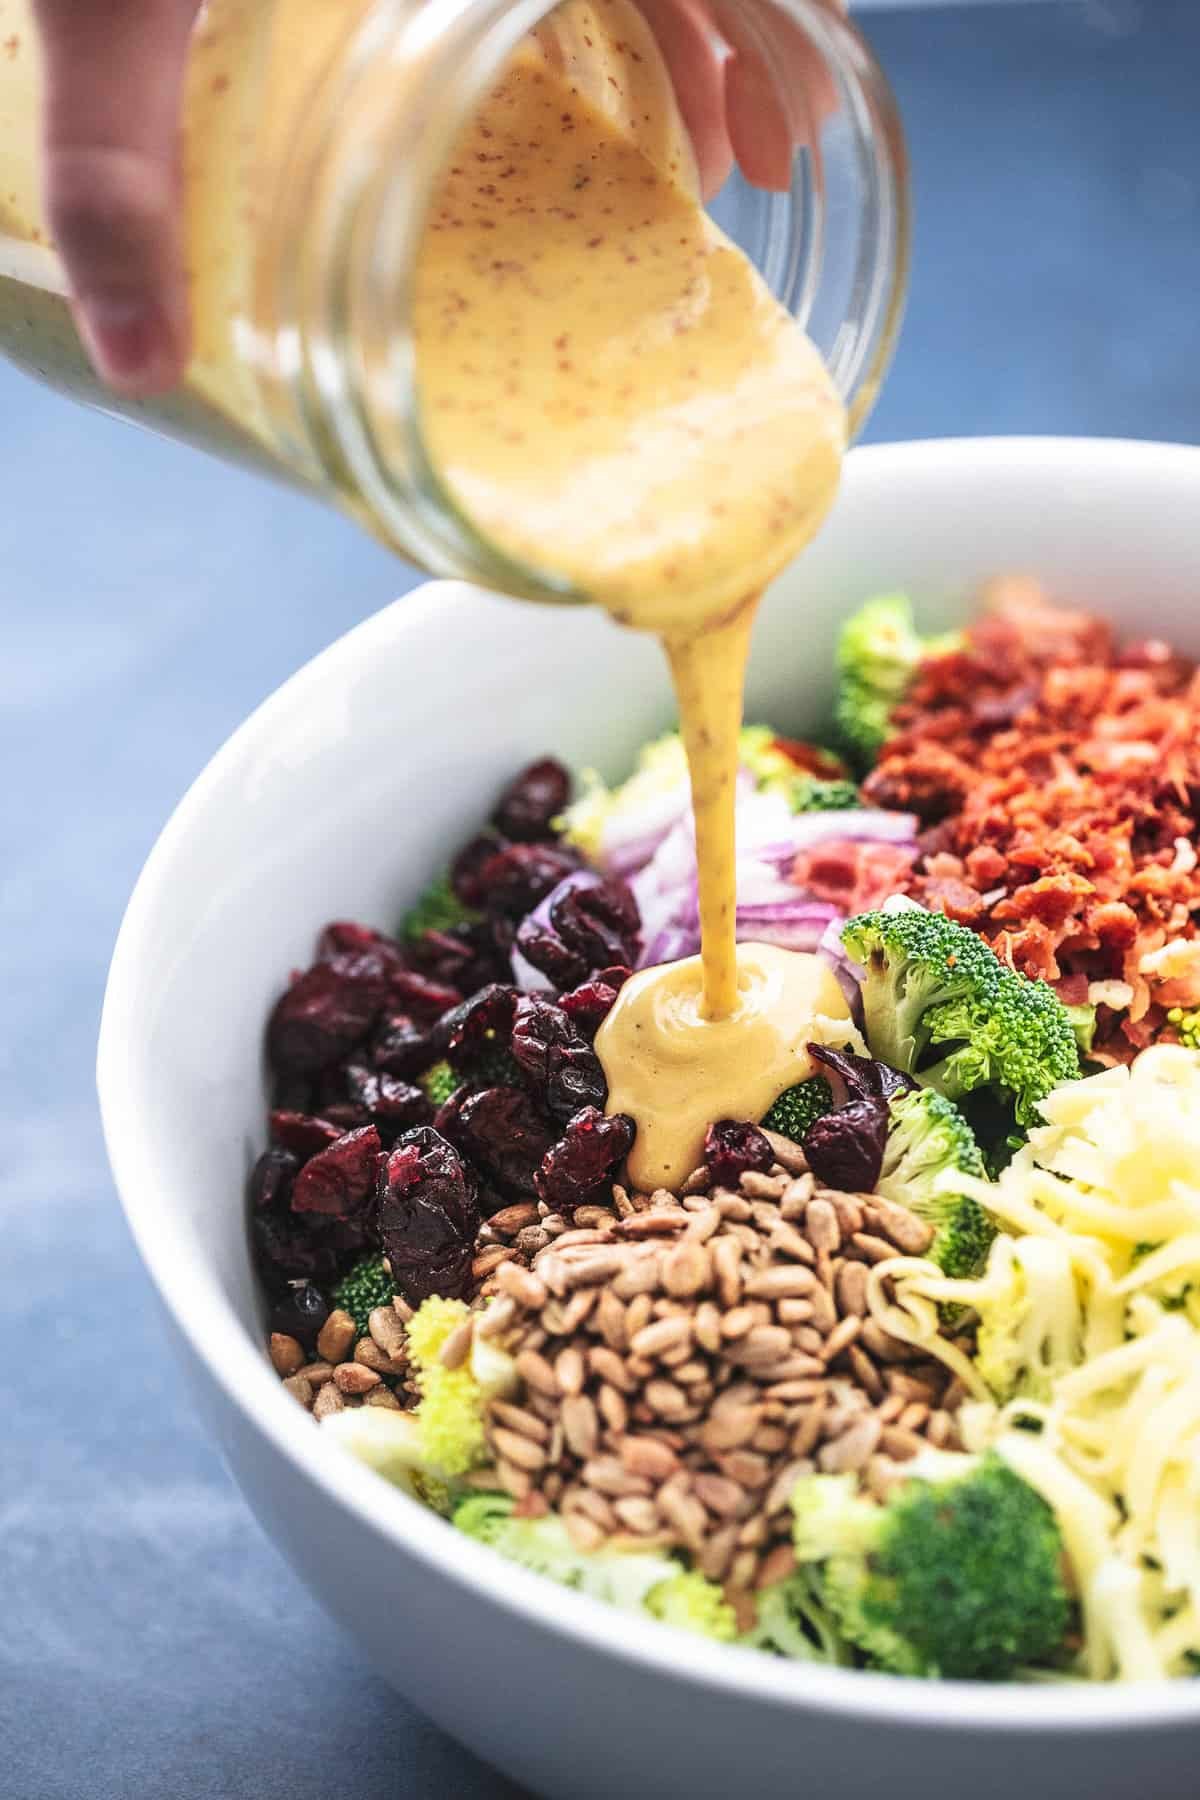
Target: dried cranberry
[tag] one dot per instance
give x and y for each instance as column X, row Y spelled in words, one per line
column 445, row 1119
column 345, row 1116
column 600, row 923
column 502, row 1131
column 862, row 1076
column 562, row 1068
column 588, row 1005
column 419, row 997
column 292, row 1093
column 342, row 941
column 481, row 1024
column 288, row 1249
column 349, row 1237
column 549, row 955
column 391, row 1104
column 329, row 1091
column 302, row 1133
column 733, row 1148
column 338, row 1180
column 427, row 1217
column 464, row 870
column 325, row 1013
column 593, row 924
column 845, row 1148
column 503, row 935
column 529, row 805
column 401, row 1047
column 271, row 1178
column 490, row 1199
column 300, row 1312
column 516, row 878
column 467, row 957
column 580, row 1168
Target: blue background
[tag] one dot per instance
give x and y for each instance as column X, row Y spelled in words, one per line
column 151, row 1642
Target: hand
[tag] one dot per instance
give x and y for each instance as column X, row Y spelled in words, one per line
column 749, row 84
column 114, row 78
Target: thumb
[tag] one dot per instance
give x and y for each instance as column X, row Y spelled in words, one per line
column 114, row 76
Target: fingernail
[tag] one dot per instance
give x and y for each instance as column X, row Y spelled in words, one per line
column 130, row 342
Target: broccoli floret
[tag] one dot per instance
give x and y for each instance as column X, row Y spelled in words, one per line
column 878, row 654
column 496, row 1066
column 1187, row 1026
column 808, row 793
column 493, row 1067
column 429, row 1450
column 809, row 778
column 691, row 1603
column 958, row 1576
column 778, row 763
column 437, row 909
column 368, row 1285
column 940, row 1005
column 792, row 1622
column 1083, row 1024
column 636, row 1580
column 798, row 1106
column 450, row 1415
column 439, row 1082
column 928, row 1140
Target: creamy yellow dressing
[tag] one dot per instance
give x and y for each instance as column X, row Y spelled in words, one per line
column 608, row 390
column 611, row 390
column 709, row 672
column 676, row 1071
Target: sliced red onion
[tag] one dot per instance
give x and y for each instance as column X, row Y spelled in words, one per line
column 797, row 911
column 658, row 859
column 780, row 856
column 863, row 824
column 794, row 936
column 849, row 975
column 670, row 945
column 627, row 845
column 626, row 859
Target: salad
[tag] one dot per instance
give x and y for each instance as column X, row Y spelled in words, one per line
column 905, row 1375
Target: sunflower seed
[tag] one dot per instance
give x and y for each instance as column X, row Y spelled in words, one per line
column 537, row 1373
column 522, row 1285
column 853, row 1449
column 662, row 1335
column 783, row 1282
column 514, row 1447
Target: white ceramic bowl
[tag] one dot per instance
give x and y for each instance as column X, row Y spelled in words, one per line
column 337, row 799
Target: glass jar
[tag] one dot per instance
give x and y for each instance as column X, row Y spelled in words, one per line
column 315, row 137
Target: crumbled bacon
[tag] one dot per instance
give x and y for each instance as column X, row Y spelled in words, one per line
column 855, row 876
column 1058, row 781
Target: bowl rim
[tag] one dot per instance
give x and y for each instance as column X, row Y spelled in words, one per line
column 205, row 1318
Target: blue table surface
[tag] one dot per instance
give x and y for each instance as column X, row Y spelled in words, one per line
column 153, row 1643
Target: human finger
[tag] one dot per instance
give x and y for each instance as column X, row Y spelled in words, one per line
column 114, row 76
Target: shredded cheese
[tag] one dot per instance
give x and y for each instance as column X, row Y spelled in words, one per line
column 1087, row 1373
